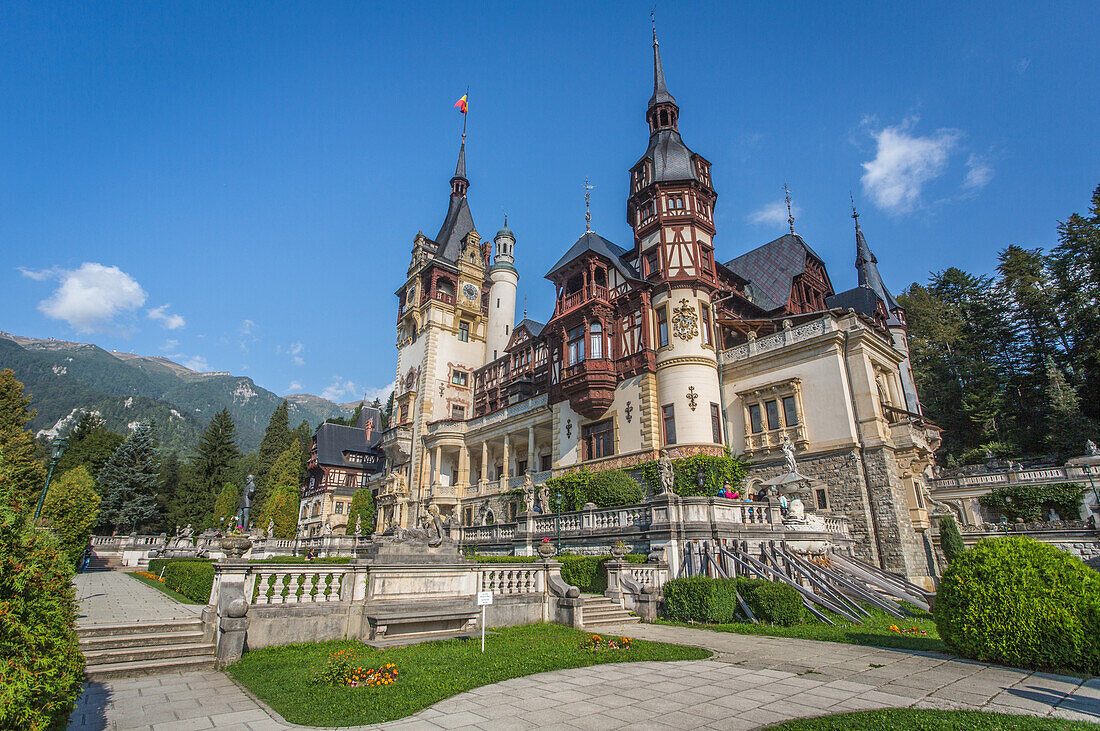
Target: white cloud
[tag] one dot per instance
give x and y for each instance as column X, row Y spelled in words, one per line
column 194, row 362
column 37, row 276
column 294, row 387
column 341, row 389
column 166, row 319
column 382, row 393
column 169, row 345
column 1022, row 65
column 904, row 163
column 294, row 350
column 978, row 172
column 91, row 297
column 772, row 214
column 246, row 327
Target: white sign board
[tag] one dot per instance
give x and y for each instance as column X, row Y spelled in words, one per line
column 484, row 597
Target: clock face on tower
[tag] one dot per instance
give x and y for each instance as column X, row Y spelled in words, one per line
column 471, row 291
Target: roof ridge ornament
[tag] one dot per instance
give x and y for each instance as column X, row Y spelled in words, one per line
column 587, row 204
column 790, row 215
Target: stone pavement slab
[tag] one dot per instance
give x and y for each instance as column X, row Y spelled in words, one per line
column 715, row 693
column 113, row 597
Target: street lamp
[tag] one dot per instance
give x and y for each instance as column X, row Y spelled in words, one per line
column 57, row 449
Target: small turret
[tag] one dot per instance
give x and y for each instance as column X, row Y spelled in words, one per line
column 502, row 295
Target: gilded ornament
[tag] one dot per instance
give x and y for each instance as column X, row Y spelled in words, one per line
column 692, row 397
column 685, row 321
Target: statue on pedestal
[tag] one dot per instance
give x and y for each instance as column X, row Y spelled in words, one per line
column 271, row 528
column 1091, row 449
column 788, row 456
column 544, row 499
column 668, row 476
column 359, row 525
column 246, row 501
column 528, row 494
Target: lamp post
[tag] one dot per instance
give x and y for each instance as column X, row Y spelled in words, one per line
column 57, row 449
column 701, row 480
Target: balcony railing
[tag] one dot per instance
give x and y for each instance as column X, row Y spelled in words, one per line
column 444, row 297
column 578, row 298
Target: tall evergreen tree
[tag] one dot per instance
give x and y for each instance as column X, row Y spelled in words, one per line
column 91, row 444
column 225, row 507
column 213, row 467
column 286, row 472
column 16, row 443
column 276, row 439
column 1067, row 428
column 172, row 477
column 130, row 481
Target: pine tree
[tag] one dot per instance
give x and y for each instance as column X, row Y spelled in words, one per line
column 214, row 466
column 91, row 444
column 1067, row 428
column 276, row 439
column 130, row 481
column 225, row 508
column 282, row 509
column 951, row 541
column 70, row 509
column 362, row 506
column 16, row 443
column 286, row 472
column 172, row 476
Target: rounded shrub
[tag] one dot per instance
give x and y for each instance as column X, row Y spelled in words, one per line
column 193, row 579
column 1023, row 603
column 700, row 599
column 772, row 601
column 613, row 487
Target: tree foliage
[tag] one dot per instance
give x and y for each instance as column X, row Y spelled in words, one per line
column 951, row 541
column 282, row 509
column 285, row 472
column 362, row 506
column 1013, row 359
column 1026, row 502
column 17, row 444
column 130, row 481
column 90, row 445
column 41, row 668
column 70, row 509
column 276, row 439
column 214, row 465
column 225, row 507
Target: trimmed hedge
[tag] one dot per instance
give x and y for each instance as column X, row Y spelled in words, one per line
column 714, row 601
column 1020, row 602
column 587, row 573
column 951, row 541
column 192, row 577
column 612, row 488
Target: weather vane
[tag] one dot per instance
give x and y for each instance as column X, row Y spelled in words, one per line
column 587, row 204
column 790, row 215
column 855, row 213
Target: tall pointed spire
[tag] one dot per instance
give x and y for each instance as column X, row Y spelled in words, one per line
column 459, row 183
column 867, row 267
column 660, row 91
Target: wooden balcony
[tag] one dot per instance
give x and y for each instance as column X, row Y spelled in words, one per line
column 590, row 385
column 576, row 299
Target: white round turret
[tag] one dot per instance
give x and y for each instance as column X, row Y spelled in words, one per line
column 502, row 295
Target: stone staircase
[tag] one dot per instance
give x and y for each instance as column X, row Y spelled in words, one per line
column 145, row 648
column 599, row 611
column 99, row 563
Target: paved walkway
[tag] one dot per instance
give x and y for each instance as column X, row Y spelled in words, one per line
column 751, row 681
column 110, row 597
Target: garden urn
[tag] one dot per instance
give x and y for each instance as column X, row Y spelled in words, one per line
column 234, row 546
column 546, row 549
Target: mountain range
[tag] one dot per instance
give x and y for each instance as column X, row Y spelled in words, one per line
column 64, row 378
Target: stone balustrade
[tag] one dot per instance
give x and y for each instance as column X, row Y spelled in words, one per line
column 507, row 579
column 784, row 337
column 295, row 584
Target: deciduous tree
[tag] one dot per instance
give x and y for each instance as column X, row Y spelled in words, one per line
column 71, row 509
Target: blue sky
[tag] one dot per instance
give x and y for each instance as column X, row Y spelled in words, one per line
column 237, row 185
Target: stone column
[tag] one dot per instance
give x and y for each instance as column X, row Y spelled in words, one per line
column 437, row 463
column 463, row 466
column 531, row 466
column 485, row 461
column 231, row 606
column 507, row 448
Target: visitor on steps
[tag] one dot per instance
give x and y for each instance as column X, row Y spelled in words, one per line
column 783, row 504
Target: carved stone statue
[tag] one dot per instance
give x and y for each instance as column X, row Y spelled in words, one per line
column 271, row 528
column 246, row 500
column 185, row 536
column 544, row 499
column 327, row 530
column 528, row 494
column 788, row 455
column 1091, row 449
column 1052, row 516
column 359, row 525
column 482, row 514
column 796, row 511
column 436, row 530
column 668, row 476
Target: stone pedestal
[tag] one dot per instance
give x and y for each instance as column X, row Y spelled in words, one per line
column 231, row 636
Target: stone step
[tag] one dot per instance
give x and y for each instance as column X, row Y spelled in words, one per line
column 95, row 658
column 158, row 627
column 140, row 639
column 610, row 621
column 146, row 667
column 604, row 613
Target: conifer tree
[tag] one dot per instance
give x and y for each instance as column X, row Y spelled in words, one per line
column 276, row 439
column 1067, row 429
column 951, row 541
column 362, row 506
column 281, row 508
column 130, row 481
column 225, row 508
column 17, row 444
column 286, row 472
column 91, row 444
column 213, row 467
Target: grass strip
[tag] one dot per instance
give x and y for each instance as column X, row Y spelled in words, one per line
column 428, row 672
column 875, row 632
column 930, row 720
column 159, row 586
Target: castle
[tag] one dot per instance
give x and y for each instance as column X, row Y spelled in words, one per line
column 649, row 346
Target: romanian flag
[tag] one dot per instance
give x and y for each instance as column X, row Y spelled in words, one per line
column 460, row 105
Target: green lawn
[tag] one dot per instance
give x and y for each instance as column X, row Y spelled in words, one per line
column 428, row 672
column 876, row 632
column 159, row 586
column 928, row 720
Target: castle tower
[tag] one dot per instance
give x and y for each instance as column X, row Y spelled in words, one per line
column 671, row 209
column 502, row 294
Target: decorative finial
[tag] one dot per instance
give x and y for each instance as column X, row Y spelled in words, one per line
column 790, row 215
column 653, row 20
column 587, row 204
column 855, row 213
column 525, row 307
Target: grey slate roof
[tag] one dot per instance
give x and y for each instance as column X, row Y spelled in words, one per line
column 771, row 268
column 370, row 413
column 533, row 327
column 335, row 439
column 456, row 225
column 591, row 241
column 869, row 277
column 861, row 299
column 660, row 91
column 671, row 157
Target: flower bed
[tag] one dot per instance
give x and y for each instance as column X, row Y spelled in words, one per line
column 345, row 667
column 595, row 643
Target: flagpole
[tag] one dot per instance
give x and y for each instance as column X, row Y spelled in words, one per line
column 466, row 113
